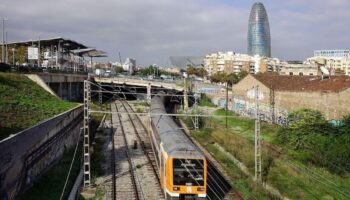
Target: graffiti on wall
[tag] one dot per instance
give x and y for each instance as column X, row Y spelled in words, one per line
column 247, row 109
column 282, row 117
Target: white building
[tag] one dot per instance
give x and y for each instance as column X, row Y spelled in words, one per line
column 336, row 60
column 230, row 62
column 332, row 54
column 129, row 65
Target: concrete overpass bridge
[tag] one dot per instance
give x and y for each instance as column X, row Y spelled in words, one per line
column 71, row 86
column 151, row 86
column 64, row 86
column 139, row 82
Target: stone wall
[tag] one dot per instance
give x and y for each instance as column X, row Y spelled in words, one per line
column 25, row 156
column 334, row 105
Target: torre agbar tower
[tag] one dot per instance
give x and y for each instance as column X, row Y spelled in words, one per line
column 259, row 39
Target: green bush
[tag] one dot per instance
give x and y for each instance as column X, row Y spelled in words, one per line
column 206, row 101
column 316, row 140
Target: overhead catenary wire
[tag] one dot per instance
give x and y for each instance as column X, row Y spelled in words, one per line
column 312, row 174
column 314, row 177
column 140, row 93
column 164, row 114
column 104, row 91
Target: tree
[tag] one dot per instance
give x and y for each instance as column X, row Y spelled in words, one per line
column 191, row 70
column 200, row 72
column 242, row 74
column 231, row 79
column 303, row 125
column 219, row 77
column 118, row 69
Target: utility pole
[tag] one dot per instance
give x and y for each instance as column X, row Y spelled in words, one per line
column 257, row 137
column 185, row 94
column 86, row 150
column 226, row 106
column 196, row 120
column 100, row 93
column 39, row 65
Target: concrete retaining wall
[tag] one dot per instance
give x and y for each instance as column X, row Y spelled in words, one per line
column 25, row 156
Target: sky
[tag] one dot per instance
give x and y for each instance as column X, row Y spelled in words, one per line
column 153, row 30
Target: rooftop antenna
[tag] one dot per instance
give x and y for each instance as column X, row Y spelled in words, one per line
column 325, row 72
column 120, row 58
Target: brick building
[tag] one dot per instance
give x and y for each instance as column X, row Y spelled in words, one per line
column 280, row 95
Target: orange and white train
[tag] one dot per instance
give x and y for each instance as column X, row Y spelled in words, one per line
column 182, row 167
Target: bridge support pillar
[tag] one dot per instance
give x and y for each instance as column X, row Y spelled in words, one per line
column 60, row 90
column 70, row 91
column 185, row 95
column 149, row 87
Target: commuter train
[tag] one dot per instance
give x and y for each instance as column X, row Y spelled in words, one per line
column 182, row 167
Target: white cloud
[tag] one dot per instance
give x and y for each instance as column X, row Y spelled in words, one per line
column 153, row 30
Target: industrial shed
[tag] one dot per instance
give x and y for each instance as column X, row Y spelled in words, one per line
column 280, row 95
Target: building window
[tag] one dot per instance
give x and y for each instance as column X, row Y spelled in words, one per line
column 301, row 74
column 291, row 73
column 311, row 74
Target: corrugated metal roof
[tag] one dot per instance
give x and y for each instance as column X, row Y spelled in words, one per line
column 182, row 62
column 67, row 43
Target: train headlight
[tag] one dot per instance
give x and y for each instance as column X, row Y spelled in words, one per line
column 200, row 189
column 176, row 188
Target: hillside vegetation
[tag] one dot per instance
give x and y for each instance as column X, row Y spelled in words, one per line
column 23, row 104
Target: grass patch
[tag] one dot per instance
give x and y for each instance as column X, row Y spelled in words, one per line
column 50, row 185
column 23, row 104
column 99, row 195
column 237, row 178
column 142, row 103
column 292, row 177
column 206, row 101
column 97, row 155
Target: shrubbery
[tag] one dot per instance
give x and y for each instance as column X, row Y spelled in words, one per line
column 206, row 101
column 317, row 141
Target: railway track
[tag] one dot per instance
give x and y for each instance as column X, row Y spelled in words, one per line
column 123, row 171
column 144, row 140
column 137, row 178
column 134, row 170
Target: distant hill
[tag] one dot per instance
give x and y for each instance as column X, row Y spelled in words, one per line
column 23, row 104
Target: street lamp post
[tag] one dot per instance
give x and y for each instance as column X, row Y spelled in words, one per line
column 13, row 56
column 6, row 49
column 3, row 40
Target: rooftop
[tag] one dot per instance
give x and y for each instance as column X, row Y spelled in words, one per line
column 67, row 43
column 182, row 62
column 305, row 83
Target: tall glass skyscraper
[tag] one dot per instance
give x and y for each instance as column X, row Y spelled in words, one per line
column 259, row 39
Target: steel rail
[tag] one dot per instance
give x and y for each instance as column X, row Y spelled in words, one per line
column 131, row 168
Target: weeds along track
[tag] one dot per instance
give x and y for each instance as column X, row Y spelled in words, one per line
column 135, row 172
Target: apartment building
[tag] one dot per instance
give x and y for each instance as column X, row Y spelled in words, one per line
column 231, row 62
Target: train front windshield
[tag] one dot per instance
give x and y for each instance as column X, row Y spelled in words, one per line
column 189, row 172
